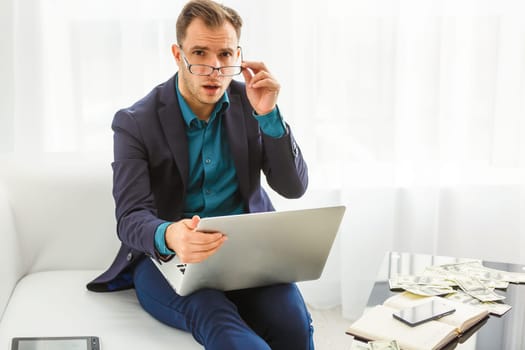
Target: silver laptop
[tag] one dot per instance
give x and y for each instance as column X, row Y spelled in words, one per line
column 262, row 249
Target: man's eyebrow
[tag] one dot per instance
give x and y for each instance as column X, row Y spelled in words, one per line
column 206, row 48
column 198, row 47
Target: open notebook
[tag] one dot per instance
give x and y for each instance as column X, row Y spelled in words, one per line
column 262, row 249
column 378, row 323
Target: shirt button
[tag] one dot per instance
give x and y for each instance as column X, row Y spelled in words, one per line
column 129, row 257
column 208, row 161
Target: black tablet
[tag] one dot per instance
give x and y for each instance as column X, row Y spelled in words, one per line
column 55, row 343
column 416, row 315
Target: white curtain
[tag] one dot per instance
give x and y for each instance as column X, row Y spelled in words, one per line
column 410, row 112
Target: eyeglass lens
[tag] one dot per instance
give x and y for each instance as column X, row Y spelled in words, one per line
column 202, row 69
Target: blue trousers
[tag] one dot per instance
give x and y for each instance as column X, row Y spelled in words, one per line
column 273, row 317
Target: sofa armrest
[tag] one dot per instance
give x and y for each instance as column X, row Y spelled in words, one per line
column 11, row 268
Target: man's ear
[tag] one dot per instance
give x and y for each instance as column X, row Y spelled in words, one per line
column 175, row 51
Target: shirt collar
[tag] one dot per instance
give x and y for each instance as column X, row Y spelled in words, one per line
column 188, row 115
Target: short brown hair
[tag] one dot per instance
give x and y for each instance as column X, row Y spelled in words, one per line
column 213, row 14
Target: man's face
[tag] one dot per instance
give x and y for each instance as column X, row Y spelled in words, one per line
column 215, row 47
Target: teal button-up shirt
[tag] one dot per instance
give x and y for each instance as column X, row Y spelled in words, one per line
column 213, row 188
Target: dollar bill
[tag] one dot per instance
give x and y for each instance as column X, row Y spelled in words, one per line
column 486, row 273
column 460, row 268
column 429, row 290
column 476, row 269
column 497, row 278
column 495, row 284
column 437, row 271
column 398, row 282
column 493, row 307
column 516, row 277
column 477, row 289
column 383, row 345
column 357, row 345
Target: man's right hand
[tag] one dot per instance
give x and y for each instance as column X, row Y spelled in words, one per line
column 190, row 245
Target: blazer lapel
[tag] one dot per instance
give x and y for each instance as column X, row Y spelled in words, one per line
column 172, row 123
column 236, row 131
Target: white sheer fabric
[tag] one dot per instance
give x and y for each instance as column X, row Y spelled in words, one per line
column 410, row 112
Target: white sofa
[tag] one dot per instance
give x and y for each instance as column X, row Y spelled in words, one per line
column 57, row 232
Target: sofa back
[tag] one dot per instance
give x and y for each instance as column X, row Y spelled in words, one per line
column 62, row 211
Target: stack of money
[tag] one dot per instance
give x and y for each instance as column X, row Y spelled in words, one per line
column 467, row 278
column 495, row 308
column 477, row 289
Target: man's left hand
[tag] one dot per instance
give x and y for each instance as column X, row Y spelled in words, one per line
column 261, row 87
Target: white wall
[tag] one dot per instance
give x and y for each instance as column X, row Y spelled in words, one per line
column 7, row 74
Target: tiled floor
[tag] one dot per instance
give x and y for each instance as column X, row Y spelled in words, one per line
column 329, row 329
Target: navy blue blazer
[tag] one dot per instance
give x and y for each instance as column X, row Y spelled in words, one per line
column 150, row 171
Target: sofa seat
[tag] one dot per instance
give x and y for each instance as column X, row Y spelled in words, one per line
column 56, row 303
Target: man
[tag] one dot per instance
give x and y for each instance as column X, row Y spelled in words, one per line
column 195, row 147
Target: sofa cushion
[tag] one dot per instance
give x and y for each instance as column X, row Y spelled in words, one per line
column 56, row 303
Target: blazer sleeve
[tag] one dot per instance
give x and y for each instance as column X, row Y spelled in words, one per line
column 135, row 210
column 284, row 166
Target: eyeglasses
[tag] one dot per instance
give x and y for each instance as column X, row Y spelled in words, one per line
column 206, row 70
